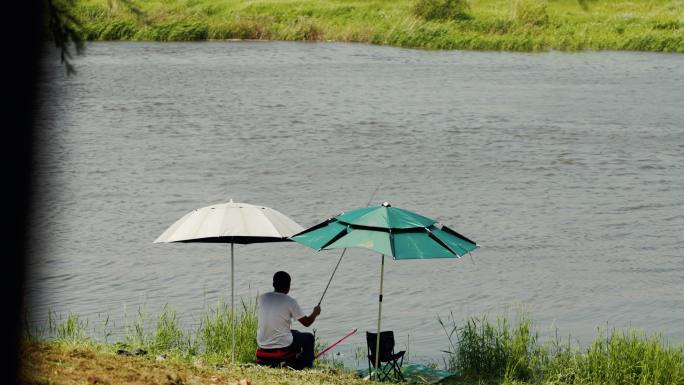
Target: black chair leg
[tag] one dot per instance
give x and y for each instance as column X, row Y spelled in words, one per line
column 391, row 370
column 397, row 372
column 370, row 371
column 399, row 369
column 386, row 371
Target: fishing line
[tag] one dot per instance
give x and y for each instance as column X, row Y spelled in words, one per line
column 345, row 250
column 471, row 259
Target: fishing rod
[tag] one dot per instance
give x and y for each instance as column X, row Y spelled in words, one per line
column 345, row 250
column 331, row 277
column 335, row 343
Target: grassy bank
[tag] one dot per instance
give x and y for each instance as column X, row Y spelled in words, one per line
column 480, row 350
column 517, row 25
column 79, row 363
column 158, row 350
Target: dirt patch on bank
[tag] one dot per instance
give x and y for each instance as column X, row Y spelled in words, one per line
column 60, row 364
column 52, row 364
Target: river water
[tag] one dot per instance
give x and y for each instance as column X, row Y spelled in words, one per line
column 567, row 168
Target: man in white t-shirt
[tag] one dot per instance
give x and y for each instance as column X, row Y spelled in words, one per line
column 275, row 313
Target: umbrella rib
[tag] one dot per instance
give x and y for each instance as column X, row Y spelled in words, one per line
column 334, row 239
column 448, row 230
column 171, row 231
column 243, row 220
column 268, row 220
column 280, row 222
column 223, row 223
column 202, row 216
column 369, row 228
column 440, row 242
column 312, row 228
column 391, row 237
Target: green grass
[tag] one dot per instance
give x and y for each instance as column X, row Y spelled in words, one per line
column 210, row 340
column 485, row 350
column 481, row 350
column 516, row 25
column 215, row 336
column 501, row 352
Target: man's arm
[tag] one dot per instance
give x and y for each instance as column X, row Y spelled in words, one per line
column 307, row 320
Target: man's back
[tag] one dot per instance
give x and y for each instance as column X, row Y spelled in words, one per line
column 275, row 313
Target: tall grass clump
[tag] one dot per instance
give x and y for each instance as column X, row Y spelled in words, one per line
column 442, row 9
column 511, row 352
column 215, row 336
column 72, row 330
column 631, row 357
column 176, row 31
column 135, row 333
column 240, row 26
column 531, row 12
column 618, row 358
column 168, row 336
column 482, row 349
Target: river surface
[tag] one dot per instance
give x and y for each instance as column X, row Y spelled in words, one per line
column 567, row 168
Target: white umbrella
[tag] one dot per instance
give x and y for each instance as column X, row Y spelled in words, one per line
column 231, row 223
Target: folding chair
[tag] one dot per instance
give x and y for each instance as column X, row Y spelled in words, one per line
column 389, row 363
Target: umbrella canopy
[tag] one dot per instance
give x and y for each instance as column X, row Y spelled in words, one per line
column 387, row 230
column 231, row 223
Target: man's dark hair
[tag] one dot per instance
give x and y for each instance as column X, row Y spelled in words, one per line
column 281, row 281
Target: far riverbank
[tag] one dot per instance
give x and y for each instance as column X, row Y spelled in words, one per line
column 510, row 25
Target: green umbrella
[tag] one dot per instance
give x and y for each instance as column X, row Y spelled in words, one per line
column 388, row 230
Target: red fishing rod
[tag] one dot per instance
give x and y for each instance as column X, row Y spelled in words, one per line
column 336, row 342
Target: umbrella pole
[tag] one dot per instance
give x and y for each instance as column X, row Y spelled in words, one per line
column 232, row 300
column 377, row 338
